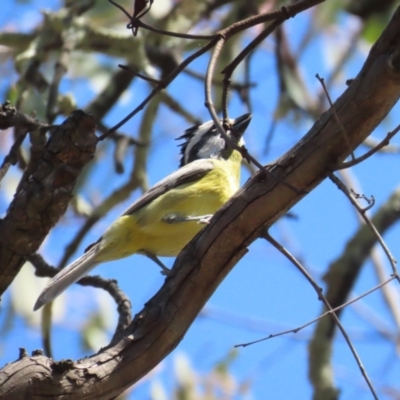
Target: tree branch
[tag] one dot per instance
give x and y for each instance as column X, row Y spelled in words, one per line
column 44, row 192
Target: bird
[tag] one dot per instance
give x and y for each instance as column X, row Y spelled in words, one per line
column 166, row 217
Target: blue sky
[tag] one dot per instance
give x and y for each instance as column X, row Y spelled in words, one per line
column 264, row 294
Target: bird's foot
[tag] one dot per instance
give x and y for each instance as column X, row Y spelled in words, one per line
column 175, row 218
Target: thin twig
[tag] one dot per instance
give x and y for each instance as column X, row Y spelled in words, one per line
column 244, row 94
column 313, row 321
column 139, row 75
column 390, row 294
column 224, row 35
column 122, row 143
column 369, row 153
column 385, row 248
column 277, row 16
column 116, row 136
column 237, row 86
column 322, row 297
column 370, row 142
column 229, row 69
column 162, row 85
column 136, row 23
column 342, row 129
column 211, row 108
column 286, row 12
column 345, row 55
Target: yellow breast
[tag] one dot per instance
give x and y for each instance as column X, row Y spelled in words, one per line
column 147, row 231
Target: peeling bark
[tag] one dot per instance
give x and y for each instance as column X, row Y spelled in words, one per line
column 44, row 192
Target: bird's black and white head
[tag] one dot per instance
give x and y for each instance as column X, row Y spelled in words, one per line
column 205, row 141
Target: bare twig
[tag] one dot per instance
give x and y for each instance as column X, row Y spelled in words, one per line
column 237, row 86
column 313, row 321
column 344, row 56
column 361, row 211
column 390, row 294
column 165, row 82
column 219, row 37
column 346, row 137
column 370, row 142
column 277, row 16
column 139, row 75
column 136, row 23
column 211, row 108
column 389, row 212
column 369, row 153
column 322, row 297
column 117, row 136
column 228, row 71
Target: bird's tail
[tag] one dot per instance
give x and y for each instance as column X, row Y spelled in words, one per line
column 68, row 276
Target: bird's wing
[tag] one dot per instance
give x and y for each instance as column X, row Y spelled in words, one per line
column 188, row 173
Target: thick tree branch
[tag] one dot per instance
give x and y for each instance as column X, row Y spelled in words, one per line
column 44, row 192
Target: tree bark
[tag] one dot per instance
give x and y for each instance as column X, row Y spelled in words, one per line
column 44, row 192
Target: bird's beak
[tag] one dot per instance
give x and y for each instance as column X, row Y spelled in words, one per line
column 240, row 124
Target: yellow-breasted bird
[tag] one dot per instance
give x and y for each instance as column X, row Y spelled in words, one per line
column 169, row 215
